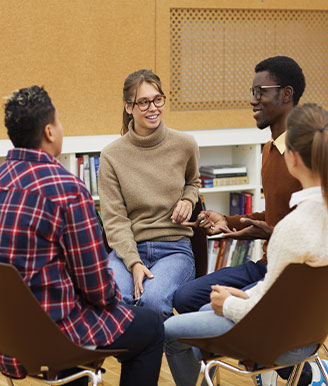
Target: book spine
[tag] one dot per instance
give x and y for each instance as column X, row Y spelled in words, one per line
column 224, row 181
column 248, row 203
column 93, row 176
column 86, row 168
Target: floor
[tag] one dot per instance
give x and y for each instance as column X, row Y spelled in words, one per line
column 112, row 375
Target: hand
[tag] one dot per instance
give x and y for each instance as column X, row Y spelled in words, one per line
column 182, row 212
column 220, row 293
column 139, row 271
column 257, row 230
column 238, row 293
column 213, row 222
column 218, row 297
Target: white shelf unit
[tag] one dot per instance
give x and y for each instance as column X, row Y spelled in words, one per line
column 217, row 146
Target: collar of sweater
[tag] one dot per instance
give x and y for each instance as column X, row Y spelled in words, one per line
column 156, row 137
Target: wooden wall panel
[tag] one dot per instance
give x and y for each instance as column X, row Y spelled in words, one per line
column 207, row 50
column 81, row 51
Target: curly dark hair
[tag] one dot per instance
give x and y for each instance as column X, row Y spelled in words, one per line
column 27, row 112
column 286, row 72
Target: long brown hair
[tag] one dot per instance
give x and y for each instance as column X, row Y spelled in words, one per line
column 307, row 133
column 131, row 85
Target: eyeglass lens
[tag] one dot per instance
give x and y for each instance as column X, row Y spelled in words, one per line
column 144, row 104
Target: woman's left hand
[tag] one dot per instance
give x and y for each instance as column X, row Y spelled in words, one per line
column 182, row 212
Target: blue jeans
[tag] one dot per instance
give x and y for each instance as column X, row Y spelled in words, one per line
column 171, row 262
column 193, row 295
column 183, row 360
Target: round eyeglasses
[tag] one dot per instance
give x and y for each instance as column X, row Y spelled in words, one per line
column 144, row 103
column 257, row 91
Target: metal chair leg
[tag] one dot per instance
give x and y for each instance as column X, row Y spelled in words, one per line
column 325, row 349
column 295, row 375
column 322, row 368
column 9, row 381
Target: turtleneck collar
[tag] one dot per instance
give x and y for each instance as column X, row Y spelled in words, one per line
column 152, row 140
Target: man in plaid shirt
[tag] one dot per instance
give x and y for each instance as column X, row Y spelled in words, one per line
column 49, row 231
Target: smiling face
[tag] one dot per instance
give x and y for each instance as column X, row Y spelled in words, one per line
column 270, row 110
column 145, row 122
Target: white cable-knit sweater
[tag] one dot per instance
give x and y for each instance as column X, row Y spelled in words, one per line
column 300, row 237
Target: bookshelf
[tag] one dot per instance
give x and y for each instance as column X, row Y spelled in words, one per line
column 227, row 146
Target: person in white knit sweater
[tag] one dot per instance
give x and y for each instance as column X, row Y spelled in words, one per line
column 148, row 186
column 300, row 237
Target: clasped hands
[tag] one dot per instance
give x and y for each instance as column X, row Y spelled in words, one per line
column 220, row 293
column 215, row 223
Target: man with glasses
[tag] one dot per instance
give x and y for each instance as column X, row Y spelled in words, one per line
column 277, row 87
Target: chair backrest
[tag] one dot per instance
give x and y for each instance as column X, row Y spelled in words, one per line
column 198, row 243
column 30, row 335
column 293, row 313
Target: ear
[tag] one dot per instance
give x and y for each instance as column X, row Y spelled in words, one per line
column 128, row 107
column 48, row 133
column 288, row 93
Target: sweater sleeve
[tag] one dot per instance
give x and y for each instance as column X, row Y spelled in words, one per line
column 285, row 247
column 117, row 225
column 191, row 188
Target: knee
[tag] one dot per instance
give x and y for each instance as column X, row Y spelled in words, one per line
column 181, row 299
column 161, row 305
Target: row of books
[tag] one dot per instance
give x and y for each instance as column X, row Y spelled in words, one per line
column 87, row 171
column 241, row 203
column 221, row 175
column 228, row 253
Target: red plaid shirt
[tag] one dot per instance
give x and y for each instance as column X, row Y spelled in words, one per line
column 49, row 232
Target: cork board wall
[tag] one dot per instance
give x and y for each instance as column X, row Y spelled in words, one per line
column 81, row 51
column 203, row 50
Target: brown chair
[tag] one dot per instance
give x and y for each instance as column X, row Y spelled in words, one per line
column 198, row 242
column 31, row 336
column 290, row 315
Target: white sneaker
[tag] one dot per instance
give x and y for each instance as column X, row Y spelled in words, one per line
column 317, row 377
column 268, row 378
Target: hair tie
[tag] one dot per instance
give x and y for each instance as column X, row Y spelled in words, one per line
column 322, row 129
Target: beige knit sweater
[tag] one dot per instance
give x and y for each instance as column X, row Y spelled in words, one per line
column 141, row 180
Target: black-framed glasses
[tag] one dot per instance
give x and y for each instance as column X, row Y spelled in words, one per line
column 144, row 103
column 257, row 91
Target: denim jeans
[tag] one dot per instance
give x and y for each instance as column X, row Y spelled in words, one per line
column 171, row 262
column 191, row 296
column 183, row 360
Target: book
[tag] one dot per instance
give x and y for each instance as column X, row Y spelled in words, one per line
column 221, row 175
column 93, row 176
column 212, row 255
column 237, row 203
column 97, row 160
column 219, row 260
column 86, row 171
column 231, row 250
column 248, row 203
column 226, row 253
column 223, row 169
column 80, row 172
column 208, row 182
column 236, row 253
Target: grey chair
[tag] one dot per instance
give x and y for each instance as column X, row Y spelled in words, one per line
column 28, row 334
column 292, row 314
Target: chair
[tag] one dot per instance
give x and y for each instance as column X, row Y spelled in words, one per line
column 31, row 336
column 198, row 242
column 290, row 315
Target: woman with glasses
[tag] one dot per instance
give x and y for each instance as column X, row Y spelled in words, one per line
column 148, row 186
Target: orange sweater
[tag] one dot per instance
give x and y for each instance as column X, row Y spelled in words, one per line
column 278, row 186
